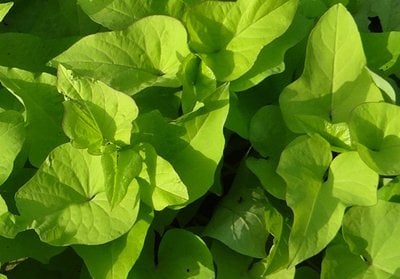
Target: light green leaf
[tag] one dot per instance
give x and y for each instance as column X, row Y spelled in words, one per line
column 279, row 227
column 317, row 213
column 185, row 143
column 4, row 8
column 371, row 234
column 26, row 244
column 239, row 221
column 282, row 274
column 12, row 137
column 67, row 204
column 354, row 183
column 229, row 36
column 335, row 80
column 159, row 184
column 182, row 255
column 391, row 191
column 375, row 131
column 388, row 92
column 198, row 83
column 43, row 106
column 148, row 53
column 95, row 114
column 270, row 60
column 119, row 14
column 115, row 259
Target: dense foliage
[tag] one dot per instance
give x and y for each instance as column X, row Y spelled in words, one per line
column 173, row 139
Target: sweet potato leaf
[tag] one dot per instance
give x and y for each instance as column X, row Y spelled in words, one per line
column 317, row 213
column 66, row 200
column 230, row 35
column 334, row 81
column 375, row 132
column 43, row 107
column 147, row 53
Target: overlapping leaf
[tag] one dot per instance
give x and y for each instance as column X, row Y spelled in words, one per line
column 12, row 137
column 317, row 213
column 229, row 36
column 375, row 131
column 148, row 53
column 334, row 81
column 43, row 106
column 95, row 114
column 115, row 259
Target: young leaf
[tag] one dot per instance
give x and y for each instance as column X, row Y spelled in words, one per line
column 354, row 183
column 239, row 221
column 67, row 204
column 229, row 36
column 115, row 259
column 148, row 53
column 12, row 137
column 160, row 186
column 334, row 81
column 375, row 131
column 4, row 8
column 317, row 213
column 183, row 254
column 43, row 106
column 95, row 114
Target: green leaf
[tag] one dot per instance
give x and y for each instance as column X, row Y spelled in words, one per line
column 183, row 254
column 354, row 183
column 317, row 213
column 4, row 8
column 388, row 12
column 335, row 80
column 26, row 244
column 229, row 36
column 67, row 204
column 43, row 106
column 229, row 263
column 12, row 137
column 50, row 19
column 375, row 131
column 148, row 53
column 159, row 184
column 95, row 114
column 119, row 14
column 185, row 143
column 30, row 52
column 268, row 133
column 387, row 45
column 239, row 221
column 265, row 170
column 115, row 259
column 370, row 234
